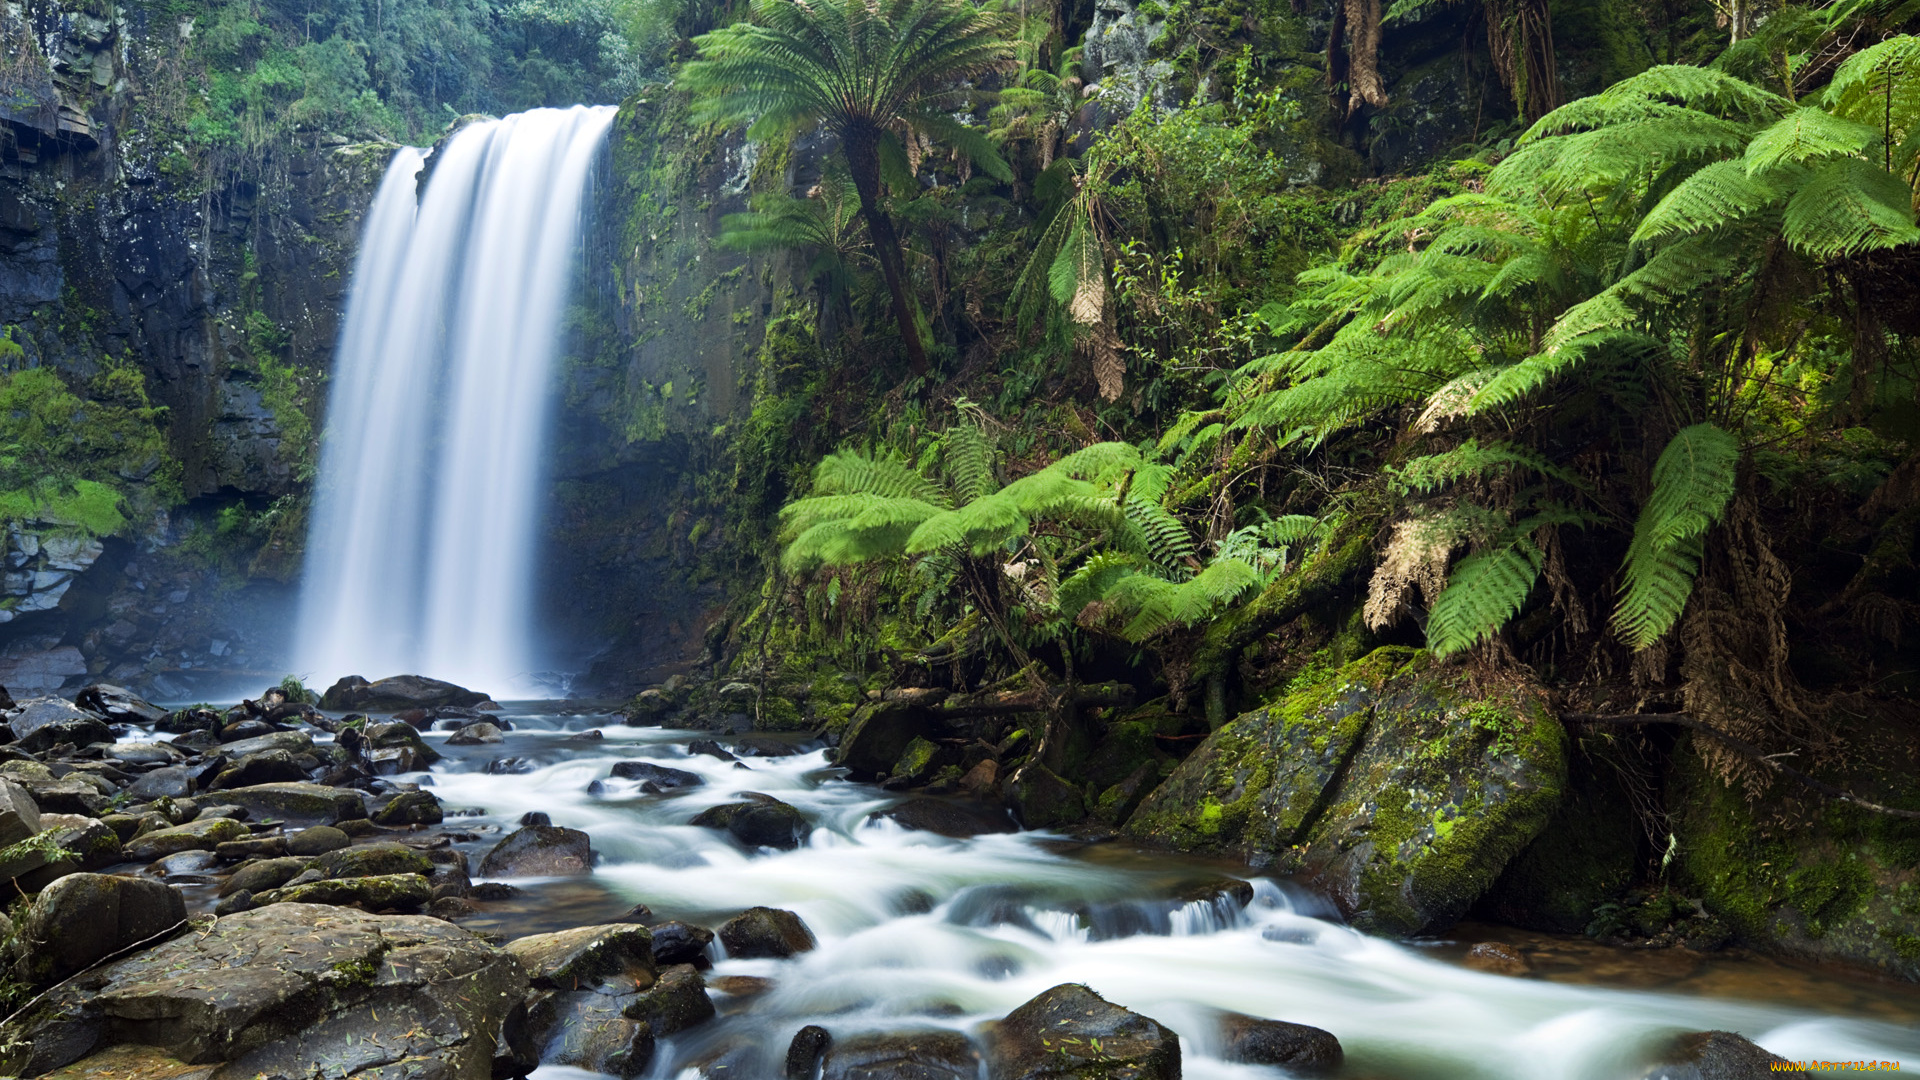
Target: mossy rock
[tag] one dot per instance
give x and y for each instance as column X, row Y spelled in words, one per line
column 1399, row 786
column 404, row 892
column 1585, row 858
column 193, row 836
column 1841, row 887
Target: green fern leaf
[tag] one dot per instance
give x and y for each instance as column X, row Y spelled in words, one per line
column 1692, row 482
column 1850, row 206
column 1718, row 194
column 1483, row 593
column 1805, row 136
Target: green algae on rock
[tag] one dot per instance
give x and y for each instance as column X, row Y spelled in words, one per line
column 1397, row 785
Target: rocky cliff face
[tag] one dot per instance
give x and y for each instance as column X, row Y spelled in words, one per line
column 217, row 278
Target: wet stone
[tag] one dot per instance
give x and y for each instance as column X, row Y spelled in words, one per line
column 765, row 932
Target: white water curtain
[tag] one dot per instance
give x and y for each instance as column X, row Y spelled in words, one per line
column 422, row 552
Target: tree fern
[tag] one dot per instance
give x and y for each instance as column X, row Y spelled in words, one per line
column 1847, row 207
column 968, row 458
column 851, row 473
column 1692, row 482
column 1806, row 135
column 1483, row 592
column 1432, row 472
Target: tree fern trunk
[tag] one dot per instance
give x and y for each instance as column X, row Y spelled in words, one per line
column 863, row 159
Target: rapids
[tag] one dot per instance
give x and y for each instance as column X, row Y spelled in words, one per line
column 916, row 930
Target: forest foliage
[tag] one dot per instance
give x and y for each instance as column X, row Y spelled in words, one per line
column 1559, row 384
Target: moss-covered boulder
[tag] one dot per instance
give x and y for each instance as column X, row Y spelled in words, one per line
column 1585, row 859
column 1402, row 787
column 193, row 836
column 299, row 802
column 289, row 990
column 1072, row 1033
column 879, row 734
column 81, row 918
column 384, row 892
column 1832, row 884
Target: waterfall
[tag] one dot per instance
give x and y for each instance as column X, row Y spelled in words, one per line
column 421, row 554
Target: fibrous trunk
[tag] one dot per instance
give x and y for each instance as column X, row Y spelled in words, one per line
column 863, row 160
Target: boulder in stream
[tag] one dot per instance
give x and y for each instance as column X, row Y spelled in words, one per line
column 119, row 705
column 395, row 694
column 1297, row 1048
column 927, row 1054
column 1072, row 1032
column 382, row 892
column 476, row 735
column 760, row 821
column 586, row 956
column 879, row 733
column 656, row 777
column 765, row 932
column 1400, row 788
column 680, row 943
column 1719, row 1055
column 539, row 851
column 193, row 836
column 82, row 918
column 291, row 990
column 300, row 802
column 958, row 820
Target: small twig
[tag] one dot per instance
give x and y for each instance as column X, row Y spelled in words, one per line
column 109, row 958
column 1742, row 748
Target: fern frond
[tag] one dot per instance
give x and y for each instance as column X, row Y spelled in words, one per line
column 1692, row 482
column 1684, row 85
column 1168, row 543
column 1470, row 459
column 1091, row 581
column 1804, row 136
column 1717, row 194
column 1879, row 80
column 1847, row 207
column 1483, row 593
column 851, row 473
column 969, row 462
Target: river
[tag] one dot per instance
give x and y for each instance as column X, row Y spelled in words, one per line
column 917, row 930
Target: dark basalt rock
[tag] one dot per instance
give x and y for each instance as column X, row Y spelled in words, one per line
column 762, row 821
column 676, row 1002
column 119, row 705
column 947, row 818
column 262, row 875
column 291, row 990
column 299, row 802
column 586, row 956
column 539, row 851
column 659, row 776
column 712, row 749
column 809, row 1045
column 411, row 808
column 1297, row 1048
column 317, row 841
column 398, row 892
column 398, row 693
column 680, row 943
column 906, row 1055
column 1070, row 1031
column 81, row 918
column 765, row 932
column 1719, row 1055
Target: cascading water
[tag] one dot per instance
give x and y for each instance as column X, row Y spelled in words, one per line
column 920, row 932
column 421, row 554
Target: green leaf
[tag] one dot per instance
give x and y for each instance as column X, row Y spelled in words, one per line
column 1805, row 136
column 1483, row 592
column 1692, row 483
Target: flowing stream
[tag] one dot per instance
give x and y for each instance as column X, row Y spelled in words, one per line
column 916, row 931
column 421, row 555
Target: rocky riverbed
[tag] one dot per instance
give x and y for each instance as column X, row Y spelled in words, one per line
column 417, row 883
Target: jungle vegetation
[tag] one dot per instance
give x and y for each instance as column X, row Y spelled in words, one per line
column 1624, row 391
